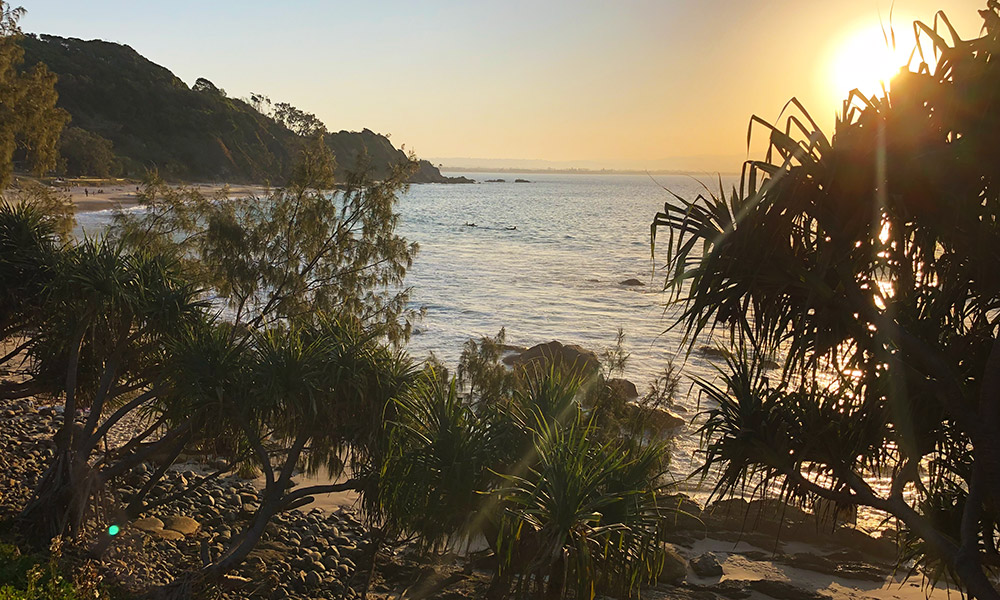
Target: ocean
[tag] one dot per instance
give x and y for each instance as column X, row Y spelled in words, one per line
column 545, row 260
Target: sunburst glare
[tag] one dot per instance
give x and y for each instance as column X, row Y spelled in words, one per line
column 866, row 60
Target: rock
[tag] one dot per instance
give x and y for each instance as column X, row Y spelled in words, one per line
column 682, row 512
column 521, row 181
column 737, row 589
column 181, row 524
column 713, row 352
column 148, row 524
column 850, row 537
column 782, row 590
column 674, row 566
column 706, row 565
column 656, row 419
column 633, row 282
column 624, row 388
column 167, row 534
column 571, row 357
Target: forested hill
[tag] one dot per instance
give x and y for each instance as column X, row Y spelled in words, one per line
column 153, row 119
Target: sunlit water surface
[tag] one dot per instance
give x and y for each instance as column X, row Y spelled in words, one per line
column 544, row 261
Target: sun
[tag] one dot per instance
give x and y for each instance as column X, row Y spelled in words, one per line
column 865, row 61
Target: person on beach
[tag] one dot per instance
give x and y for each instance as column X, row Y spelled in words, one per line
column 86, row 192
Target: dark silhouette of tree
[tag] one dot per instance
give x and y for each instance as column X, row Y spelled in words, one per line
column 870, row 264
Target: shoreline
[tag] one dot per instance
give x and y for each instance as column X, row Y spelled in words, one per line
column 88, row 199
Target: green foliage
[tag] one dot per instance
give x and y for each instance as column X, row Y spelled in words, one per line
column 28, row 256
column 86, row 153
column 197, row 133
column 442, row 453
column 30, row 123
column 555, row 496
column 584, row 519
column 298, row 251
column 869, row 264
column 32, row 577
column 481, row 373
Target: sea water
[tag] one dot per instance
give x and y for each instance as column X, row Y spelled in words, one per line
column 545, row 260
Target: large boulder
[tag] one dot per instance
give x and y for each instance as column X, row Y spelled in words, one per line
column 706, row 565
column 674, row 566
column 623, row 388
column 680, row 512
column 569, row 358
column 655, row 419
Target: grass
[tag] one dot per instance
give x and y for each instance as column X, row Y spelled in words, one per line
column 40, row 577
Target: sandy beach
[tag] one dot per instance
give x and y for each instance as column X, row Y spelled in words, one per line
column 95, row 198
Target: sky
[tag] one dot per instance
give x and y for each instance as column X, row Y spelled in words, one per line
column 615, row 84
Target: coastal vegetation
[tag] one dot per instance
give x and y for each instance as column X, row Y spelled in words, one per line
column 30, row 122
column 868, row 264
column 195, row 133
column 265, row 336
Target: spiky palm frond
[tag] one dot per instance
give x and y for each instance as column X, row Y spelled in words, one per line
column 583, row 518
column 869, row 263
column 440, row 463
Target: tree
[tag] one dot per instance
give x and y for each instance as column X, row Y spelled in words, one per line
column 106, row 314
column 28, row 257
column 565, row 507
column 29, row 120
column 299, row 121
column 303, row 249
column 311, row 396
column 869, row 264
column 86, row 153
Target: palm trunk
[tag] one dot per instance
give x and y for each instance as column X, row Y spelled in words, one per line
column 61, row 501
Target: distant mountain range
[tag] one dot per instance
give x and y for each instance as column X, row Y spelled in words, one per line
column 154, row 120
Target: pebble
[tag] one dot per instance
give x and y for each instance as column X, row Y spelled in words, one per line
column 167, row 542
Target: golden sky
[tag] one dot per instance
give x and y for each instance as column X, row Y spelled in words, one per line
column 626, row 83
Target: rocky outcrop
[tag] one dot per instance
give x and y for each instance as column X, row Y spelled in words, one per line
column 655, row 419
column 569, row 358
column 623, row 388
column 674, row 566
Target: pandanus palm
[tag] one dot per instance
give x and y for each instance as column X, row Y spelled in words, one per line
column 555, row 500
column 583, row 519
column 869, row 263
column 108, row 315
column 313, row 398
column 29, row 252
column 441, row 457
